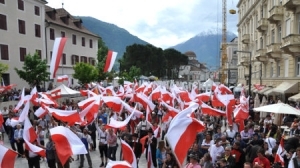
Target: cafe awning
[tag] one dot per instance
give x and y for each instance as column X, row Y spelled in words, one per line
column 287, row 87
column 264, row 90
column 268, row 92
column 295, row 98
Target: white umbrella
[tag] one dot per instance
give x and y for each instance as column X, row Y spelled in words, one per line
column 279, row 108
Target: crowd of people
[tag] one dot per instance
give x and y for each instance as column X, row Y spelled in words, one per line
column 219, row 145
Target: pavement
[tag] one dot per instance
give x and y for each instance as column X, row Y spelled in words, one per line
column 95, row 156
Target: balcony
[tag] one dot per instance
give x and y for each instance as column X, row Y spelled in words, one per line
column 276, row 14
column 246, row 38
column 261, row 55
column 290, row 5
column 262, row 25
column 244, row 61
column 274, row 51
column 291, row 44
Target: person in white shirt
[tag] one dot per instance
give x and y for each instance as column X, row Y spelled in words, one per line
column 40, row 135
column 267, row 123
column 230, row 134
column 143, row 127
column 102, row 135
column 216, row 150
column 86, row 140
column 271, row 142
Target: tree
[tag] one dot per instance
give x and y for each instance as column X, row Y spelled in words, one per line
column 174, row 59
column 85, row 73
column 3, row 68
column 101, row 57
column 133, row 73
column 34, row 70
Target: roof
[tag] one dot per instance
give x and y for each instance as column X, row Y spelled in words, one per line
column 61, row 13
column 190, row 54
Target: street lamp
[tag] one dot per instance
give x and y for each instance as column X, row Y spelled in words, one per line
column 250, row 68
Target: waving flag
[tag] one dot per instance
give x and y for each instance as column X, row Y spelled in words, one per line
column 205, row 109
column 119, row 124
column 149, row 158
column 110, row 60
column 67, row 143
column 128, row 154
column 29, row 133
column 280, row 152
column 181, row 127
column 57, row 51
column 7, row 157
column 62, row 78
column 65, row 115
column 24, row 112
column 118, row 164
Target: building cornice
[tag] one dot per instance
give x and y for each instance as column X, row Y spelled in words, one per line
column 247, row 13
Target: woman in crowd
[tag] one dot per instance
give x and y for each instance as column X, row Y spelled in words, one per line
column 161, row 153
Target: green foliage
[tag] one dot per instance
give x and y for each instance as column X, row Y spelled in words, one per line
column 3, row 68
column 133, row 73
column 85, row 73
column 101, row 56
column 34, row 70
column 152, row 61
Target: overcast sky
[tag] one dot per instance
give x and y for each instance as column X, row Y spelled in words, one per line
column 163, row 23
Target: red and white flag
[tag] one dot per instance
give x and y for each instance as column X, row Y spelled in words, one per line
column 181, row 127
column 67, row 143
column 24, row 112
column 280, row 152
column 57, row 52
column 7, row 157
column 115, row 103
column 128, row 154
column 144, row 101
column 62, row 78
column 118, row 164
column 110, row 60
column 14, row 121
column 119, row 124
column 1, row 120
column 205, row 109
column 40, row 112
column 149, row 158
column 65, row 115
column 28, row 132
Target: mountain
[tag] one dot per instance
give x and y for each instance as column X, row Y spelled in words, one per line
column 115, row 38
column 206, row 46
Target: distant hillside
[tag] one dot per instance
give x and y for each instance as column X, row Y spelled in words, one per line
column 206, row 46
column 115, row 38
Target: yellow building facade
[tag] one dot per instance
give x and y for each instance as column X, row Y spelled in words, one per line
column 270, row 30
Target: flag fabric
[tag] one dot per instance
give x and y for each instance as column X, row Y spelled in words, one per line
column 119, row 124
column 62, row 78
column 24, row 112
column 110, row 60
column 65, row 115
column 149, row 158
column 118, row 164
column 40, row 112
column 35, row 149
column 205, row 109
column 57, row 51
column 291, row 163
column 7, row 157
column 279, row 153
column 115, row 103
column 128, row 154
column 181, row 127
column 1, row 120
column 28, row 132
column 67, row 143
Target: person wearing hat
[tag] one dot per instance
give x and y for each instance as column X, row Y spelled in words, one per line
column 193, row 161
column 136, row 146
column 151, row 142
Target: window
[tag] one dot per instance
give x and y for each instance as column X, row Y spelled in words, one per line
column 262, row 12
column 37, row 30
column 2, row 1
column 288, row 27
column 39, row 53
column 64, row 61
column 83, row 41
column 21, row 4
column 83, row 59
column 74, row 59
column 37, row 10
column 273, row 36
column 22, row 54
column 91, row 43
column 298, row 66
column 271, row 69
column 3, row 24
column 91, row 61
column 261, row 43
column 52, row 34
column 50, row 56
column 63, row 34
column 4, row 52
column 22, row 29
column 74, row 39
column 279, row 33
column 265, row 70
column 278, row 69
